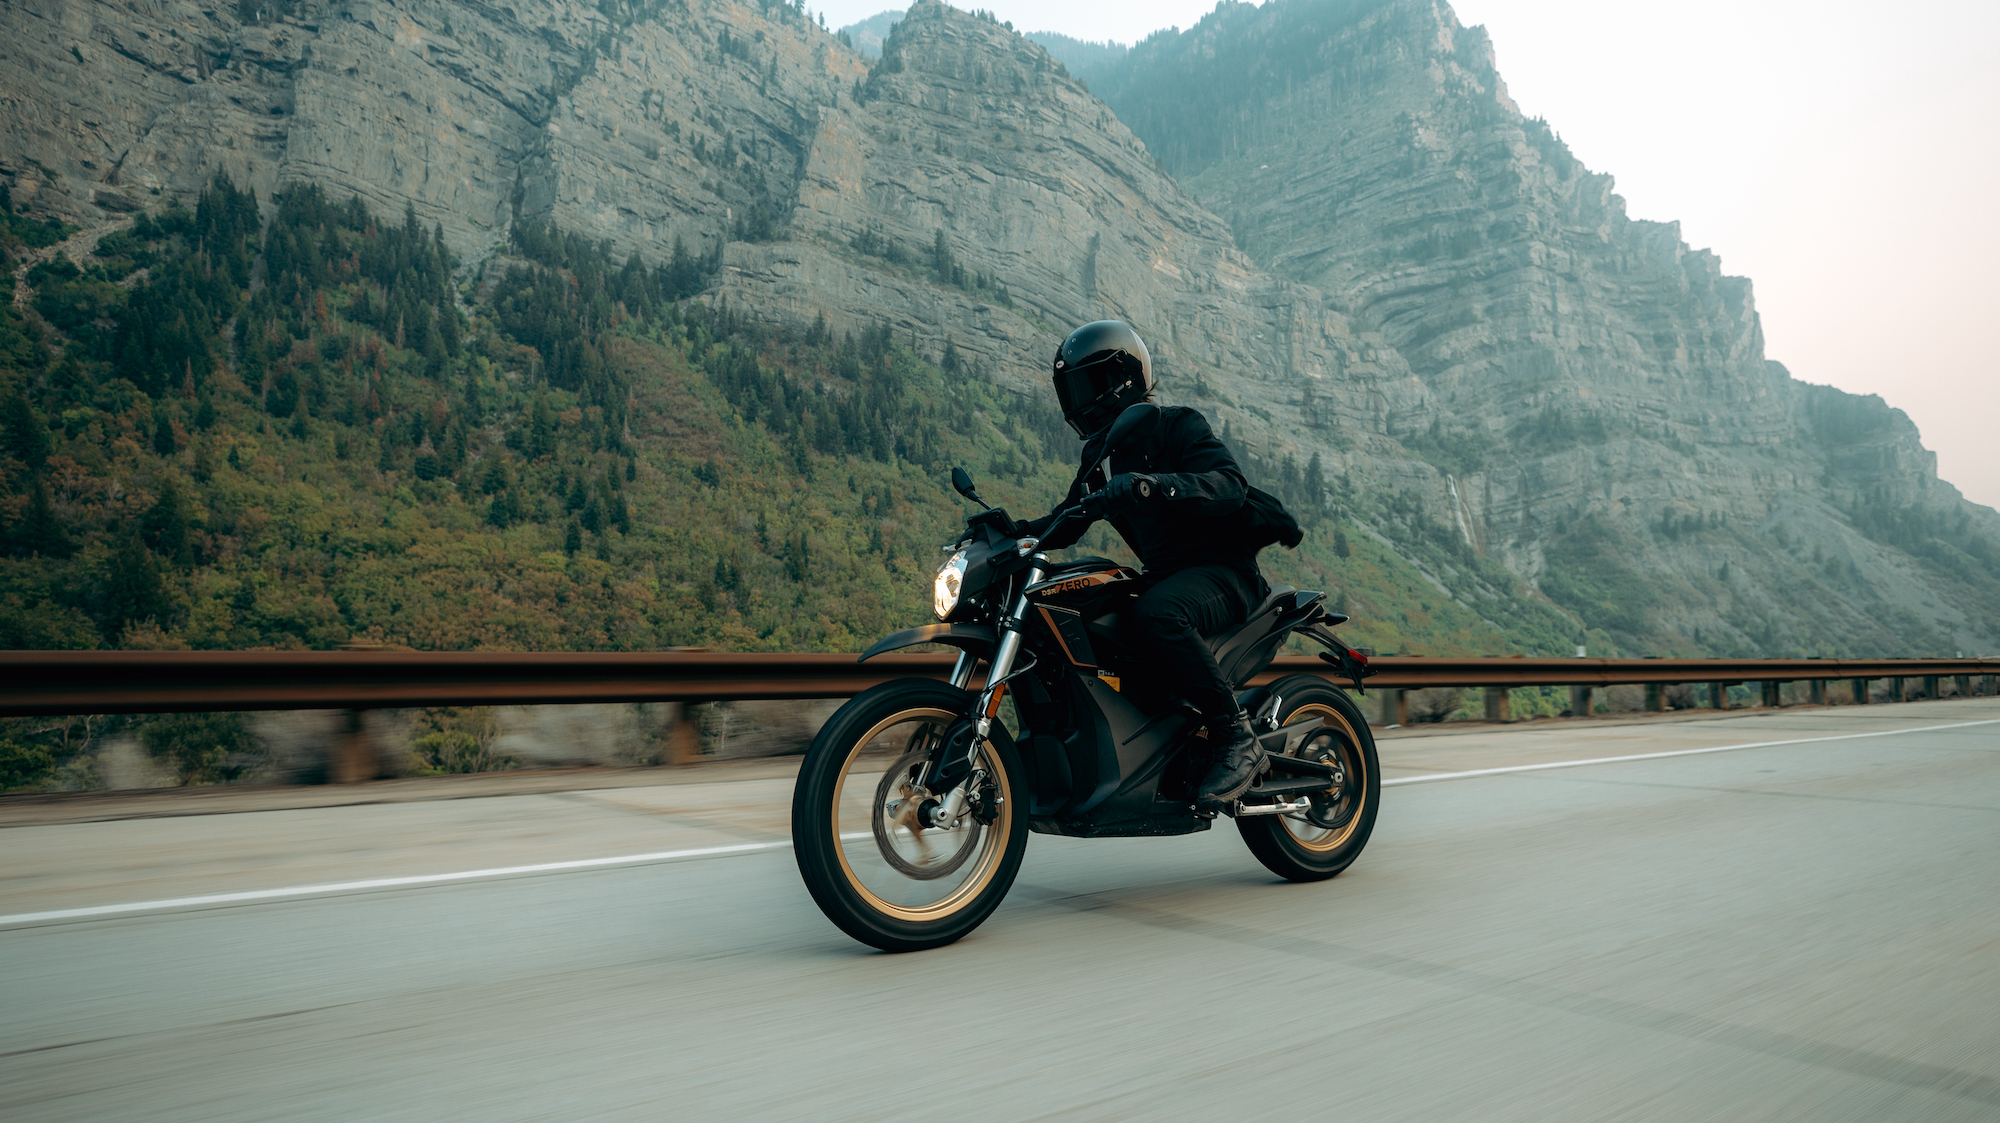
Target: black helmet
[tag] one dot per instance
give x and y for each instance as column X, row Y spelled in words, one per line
column 1099, row 370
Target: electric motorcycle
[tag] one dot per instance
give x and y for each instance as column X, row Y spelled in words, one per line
column 914, row 803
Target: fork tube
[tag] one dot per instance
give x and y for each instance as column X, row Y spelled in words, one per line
column 1009, row 647
column 961, row 671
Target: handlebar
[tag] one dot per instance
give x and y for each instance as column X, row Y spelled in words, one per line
column 1025, row 546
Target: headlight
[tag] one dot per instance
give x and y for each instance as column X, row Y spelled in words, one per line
column 945, row 586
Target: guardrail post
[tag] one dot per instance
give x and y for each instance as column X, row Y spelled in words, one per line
column 1579, row 701
column 1931, row 687
column 1896, row 690
column 1816, row 691
column 353, row 759
column 1860, row 687
column 1656, row 698
column 1497, row 708
column 1395, row 707
column 1718, row 695
column 1773, row 695
column 683, row 736
column 1964, row 684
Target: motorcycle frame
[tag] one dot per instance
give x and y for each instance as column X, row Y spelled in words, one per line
column 1096, row 762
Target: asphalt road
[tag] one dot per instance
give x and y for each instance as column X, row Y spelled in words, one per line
column 1804, row 931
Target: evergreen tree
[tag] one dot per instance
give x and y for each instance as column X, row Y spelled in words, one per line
column 165, row 523
column 40, row 532
column 27, row 437
column 132, row 589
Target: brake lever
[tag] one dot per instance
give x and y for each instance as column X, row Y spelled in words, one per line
column 1025, row 546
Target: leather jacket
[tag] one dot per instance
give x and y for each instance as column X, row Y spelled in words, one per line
column 1194, row 516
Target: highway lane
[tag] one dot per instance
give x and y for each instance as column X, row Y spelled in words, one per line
column 1802, row 931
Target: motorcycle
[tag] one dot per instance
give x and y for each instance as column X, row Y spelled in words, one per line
column 914, row 803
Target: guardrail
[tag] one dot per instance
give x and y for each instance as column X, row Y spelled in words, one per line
column 75, row 682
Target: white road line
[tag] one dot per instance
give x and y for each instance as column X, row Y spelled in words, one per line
column 1434, row 777
column 750, row 847
column 384, row 883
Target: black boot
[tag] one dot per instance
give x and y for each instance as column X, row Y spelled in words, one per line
column 1237, row 762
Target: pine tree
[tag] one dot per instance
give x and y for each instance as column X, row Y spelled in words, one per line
column 541, row 429
column 27, row 437
column 132, row 589
column 41, row 532
column 798, row 557
column 165, row 523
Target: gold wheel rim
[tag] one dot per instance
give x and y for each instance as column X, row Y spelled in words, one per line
column 992, row 847
column 1322, row 839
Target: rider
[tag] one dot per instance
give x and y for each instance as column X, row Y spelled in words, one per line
column 1178, row 499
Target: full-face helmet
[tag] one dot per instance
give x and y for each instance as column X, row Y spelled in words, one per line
column 1099, row 370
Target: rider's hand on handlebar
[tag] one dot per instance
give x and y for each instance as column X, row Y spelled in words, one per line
column 1125, row 491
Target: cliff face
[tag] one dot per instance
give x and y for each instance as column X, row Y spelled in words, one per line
column 705, row 122
column 1368, row 255
column 1588, row 375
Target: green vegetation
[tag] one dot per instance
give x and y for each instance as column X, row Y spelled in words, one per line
column 347, row 450
column 39, row 754
column 350, row 453
column 1587, row 574
column 23, row 232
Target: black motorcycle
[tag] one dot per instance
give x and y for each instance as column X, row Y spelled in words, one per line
column 914, row 803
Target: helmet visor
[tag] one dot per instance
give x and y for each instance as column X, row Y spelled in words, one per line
column 1093, row 392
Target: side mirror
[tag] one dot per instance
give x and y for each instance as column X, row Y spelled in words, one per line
column 961, row 482
column 1138, row 417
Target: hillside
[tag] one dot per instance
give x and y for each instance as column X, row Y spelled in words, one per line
column 1514, row 417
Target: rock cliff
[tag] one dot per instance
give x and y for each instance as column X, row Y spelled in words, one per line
column 1587, row 376
column 1368, row 254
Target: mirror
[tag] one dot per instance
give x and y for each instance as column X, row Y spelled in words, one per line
column 1138, row 417
column 961, row 482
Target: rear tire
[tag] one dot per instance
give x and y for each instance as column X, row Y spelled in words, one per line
column 1317, row 844
column 875, row 874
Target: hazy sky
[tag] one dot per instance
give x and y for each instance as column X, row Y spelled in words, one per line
column 1843, row 155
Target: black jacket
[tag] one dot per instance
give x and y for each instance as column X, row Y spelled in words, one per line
column 1198, row 515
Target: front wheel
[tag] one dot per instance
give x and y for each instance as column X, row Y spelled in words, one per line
column 858, row 830
column 1324, row 839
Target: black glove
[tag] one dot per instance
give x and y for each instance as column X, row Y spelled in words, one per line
column 1125, row 491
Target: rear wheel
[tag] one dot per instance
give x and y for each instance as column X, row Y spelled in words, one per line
column 1324, row 839
column 859, row 836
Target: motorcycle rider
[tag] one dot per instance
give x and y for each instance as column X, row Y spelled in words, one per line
column 1179, row 500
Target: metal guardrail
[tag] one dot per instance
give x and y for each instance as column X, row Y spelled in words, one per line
column 75, row 682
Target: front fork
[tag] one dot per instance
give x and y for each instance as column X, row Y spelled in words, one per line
column 955, row 802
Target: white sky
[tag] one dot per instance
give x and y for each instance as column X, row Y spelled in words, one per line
column 1841, row 153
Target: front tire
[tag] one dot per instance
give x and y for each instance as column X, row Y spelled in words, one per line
column 1319, row 843
column 869, row 864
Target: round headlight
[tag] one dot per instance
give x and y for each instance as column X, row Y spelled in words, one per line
column 945, row 586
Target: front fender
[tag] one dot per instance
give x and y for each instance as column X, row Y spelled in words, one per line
column 979, row 639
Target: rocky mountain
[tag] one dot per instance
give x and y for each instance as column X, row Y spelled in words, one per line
column 1342, row 238
column 1593, row 388
column 867, row 35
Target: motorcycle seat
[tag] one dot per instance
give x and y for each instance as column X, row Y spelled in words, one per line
column 1227, row 644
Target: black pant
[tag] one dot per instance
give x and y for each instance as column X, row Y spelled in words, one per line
column 1167, row 624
